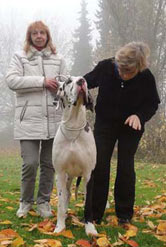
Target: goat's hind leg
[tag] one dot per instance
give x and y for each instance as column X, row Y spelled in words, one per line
column 88, row 211
column 62, row 200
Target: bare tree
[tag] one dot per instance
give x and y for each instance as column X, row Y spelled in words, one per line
column 12, row 39
column 139, row 20
column 8, row 44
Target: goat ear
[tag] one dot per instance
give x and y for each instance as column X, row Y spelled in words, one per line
column 89, row 104
column 56, row 101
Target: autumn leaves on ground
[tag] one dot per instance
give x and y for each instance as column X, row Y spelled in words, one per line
column 148, row 227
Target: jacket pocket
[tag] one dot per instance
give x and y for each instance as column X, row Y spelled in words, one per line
column 23, row 111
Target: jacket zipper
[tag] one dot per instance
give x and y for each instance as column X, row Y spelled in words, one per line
column 48, row 132
column 23, row 111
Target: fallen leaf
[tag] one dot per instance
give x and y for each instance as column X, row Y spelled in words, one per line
column 130, row 233
column 151, row 225
column 161, row 228
column 118, row 243
column 103, row 242
column 65, row 233
column 54, row 243
column 162, row 198
column 6, row 222
column 101, row 234
column 46, row 226
column 131, row 227
column 112, row 220
column 83, row 243
column 4, row 200
column 5, row 243
column 129, row 241
column 7, row 236
column 149, row 183
column 18, row 242
column 10, row 208
column 146, row 211
column 33, row 213
column 41, row 241
column 32, row 227
column 147, row 231
column 71, row 212
column 159, row 207
column 9, row 233
column 109, row 210
column 75, row 221
column 48, row 243
column 139, row 218
column 132, row 243
column 80, row 205
column 161, row 238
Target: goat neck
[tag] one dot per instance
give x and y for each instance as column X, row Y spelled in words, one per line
column 74, row 116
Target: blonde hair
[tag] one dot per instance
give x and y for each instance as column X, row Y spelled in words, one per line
column 31, row 28
column 134, row 54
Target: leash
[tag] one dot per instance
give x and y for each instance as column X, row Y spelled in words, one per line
column 74, row 129
column 57, row 102
column 72, row 139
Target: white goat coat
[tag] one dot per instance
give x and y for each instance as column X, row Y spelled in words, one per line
column 78, row 157
column 35, row 115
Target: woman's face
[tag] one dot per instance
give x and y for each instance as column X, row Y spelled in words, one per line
column 39, row 37
column 127, row 73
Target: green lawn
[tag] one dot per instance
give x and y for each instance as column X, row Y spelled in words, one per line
column 151, row 185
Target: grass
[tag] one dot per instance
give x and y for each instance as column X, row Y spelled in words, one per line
column 151, row 182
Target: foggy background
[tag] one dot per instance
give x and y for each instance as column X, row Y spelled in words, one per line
column 84, row 32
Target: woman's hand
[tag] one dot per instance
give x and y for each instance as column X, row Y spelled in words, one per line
column 134, row 122
column 51, row 84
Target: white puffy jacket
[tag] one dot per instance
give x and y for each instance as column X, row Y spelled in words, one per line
column 35, row 115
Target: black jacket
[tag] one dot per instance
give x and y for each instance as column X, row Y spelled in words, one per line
column 118, row 99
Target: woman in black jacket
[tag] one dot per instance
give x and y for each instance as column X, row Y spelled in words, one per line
column 127, row 98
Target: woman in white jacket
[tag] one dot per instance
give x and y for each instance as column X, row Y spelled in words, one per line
column 31, row 75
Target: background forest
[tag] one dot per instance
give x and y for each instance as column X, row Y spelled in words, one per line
column 94, row 38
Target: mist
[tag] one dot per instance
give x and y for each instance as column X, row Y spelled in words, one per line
column 111, row 24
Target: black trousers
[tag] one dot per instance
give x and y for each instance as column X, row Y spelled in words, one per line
column 124, row 190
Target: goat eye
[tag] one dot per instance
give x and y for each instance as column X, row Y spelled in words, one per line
column 68, row 81
column 71, row 88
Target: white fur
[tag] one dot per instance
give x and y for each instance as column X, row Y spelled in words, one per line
column 74, row 150
column 90, row 229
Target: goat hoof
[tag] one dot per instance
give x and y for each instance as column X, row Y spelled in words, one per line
column 59, row 228
column 90, row 229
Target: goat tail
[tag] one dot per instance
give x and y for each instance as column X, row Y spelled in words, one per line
column 77, row 186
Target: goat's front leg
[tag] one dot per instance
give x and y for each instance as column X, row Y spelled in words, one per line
column 68, row 185
column 62, row 200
